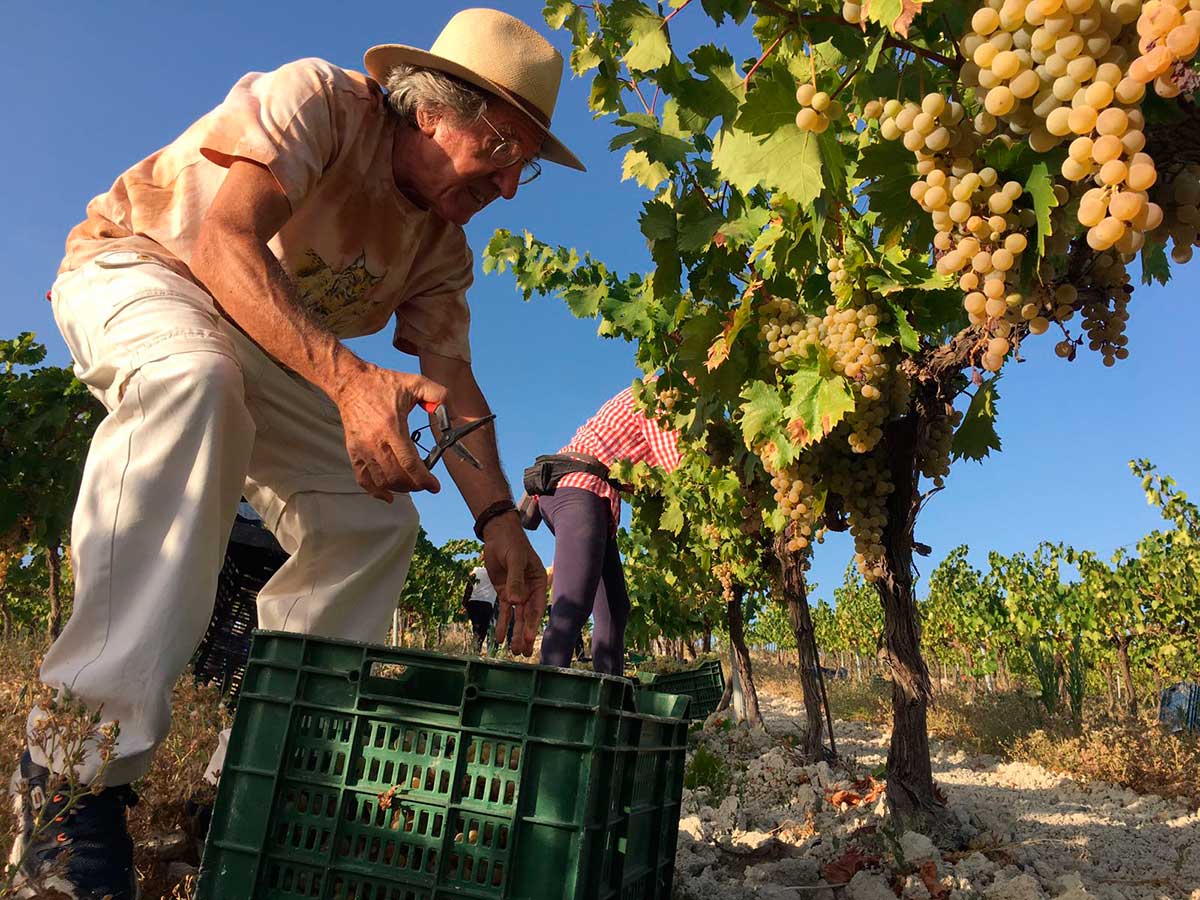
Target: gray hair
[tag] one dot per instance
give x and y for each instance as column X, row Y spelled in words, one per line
column 411, row 87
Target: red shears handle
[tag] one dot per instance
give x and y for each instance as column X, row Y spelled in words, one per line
column 429, row 406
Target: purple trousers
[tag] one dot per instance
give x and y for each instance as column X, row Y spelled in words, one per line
column 588, row 581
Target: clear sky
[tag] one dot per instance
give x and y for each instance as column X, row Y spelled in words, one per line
column 95, row 87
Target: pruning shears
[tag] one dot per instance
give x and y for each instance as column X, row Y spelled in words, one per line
column 449, row 436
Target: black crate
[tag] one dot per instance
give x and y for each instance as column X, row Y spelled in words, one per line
column 251, row 558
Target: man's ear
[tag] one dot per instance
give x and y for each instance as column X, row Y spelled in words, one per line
column 428, row 118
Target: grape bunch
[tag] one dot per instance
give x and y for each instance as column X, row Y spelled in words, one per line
column 1179, row 199
column 816, row 109
column 934, row 450
column 794, row 494
column 980, row 231
column 1169, row 33
column 864, row 483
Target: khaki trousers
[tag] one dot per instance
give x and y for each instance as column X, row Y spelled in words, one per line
column 198, row 416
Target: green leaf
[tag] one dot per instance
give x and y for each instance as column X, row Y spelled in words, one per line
column 976, row 436
column 643, row 170
column 735, row 9
column 761, row 413
column 697, row 223
column 789, row 160
column 909, row 339
column 647, row 134
column 1040, row 187
column 658, row 221
column 649, row 49
column 873, row 56
column 587, row 56
column 1154, row 263
column 770, row 105
column 885, row 12
column 819, row 402
column 746, row 228
column 557, row 12
column 672, row 517
column 717, row 96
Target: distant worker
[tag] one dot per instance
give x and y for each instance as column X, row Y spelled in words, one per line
column 582, row 507
column 480, row 603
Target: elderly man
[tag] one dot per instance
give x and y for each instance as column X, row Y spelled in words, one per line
column 204, row 300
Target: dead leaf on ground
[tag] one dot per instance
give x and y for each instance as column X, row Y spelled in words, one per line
column 842, row 869
column 929, row 877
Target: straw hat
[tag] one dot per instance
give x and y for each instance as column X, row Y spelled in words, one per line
column 499, row 53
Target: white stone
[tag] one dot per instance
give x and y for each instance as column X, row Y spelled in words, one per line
column 868, row 886
column 917, row 847
column 751, row 841
column 1023, row 887
column 692, row 827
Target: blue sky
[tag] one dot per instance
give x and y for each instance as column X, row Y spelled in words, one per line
column 103, row 85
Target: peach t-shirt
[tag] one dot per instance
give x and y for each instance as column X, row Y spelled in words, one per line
column 356, row 248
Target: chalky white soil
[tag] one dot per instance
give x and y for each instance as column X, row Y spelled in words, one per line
column 1033, row 835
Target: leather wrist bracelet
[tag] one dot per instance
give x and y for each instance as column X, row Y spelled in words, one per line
column 499, row 508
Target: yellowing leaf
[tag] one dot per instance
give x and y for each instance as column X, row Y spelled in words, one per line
column 819, row 401
column 908, row 12
column 718, row 351
column 648, row 173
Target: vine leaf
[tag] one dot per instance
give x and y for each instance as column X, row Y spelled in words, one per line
column 1154, row 263
column 908, row 12
column 790, row 160
column 819, row 402
column 909, row 339
column 645, row 171
column 718, row 351
column 649, row 49
column 557, row 12
column 976, row 436
column 1040, row 187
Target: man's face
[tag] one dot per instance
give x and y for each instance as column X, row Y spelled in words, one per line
column 459, row 176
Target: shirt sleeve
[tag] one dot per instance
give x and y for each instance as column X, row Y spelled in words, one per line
column 663, row 443
column 436, row 318
column 288, row 121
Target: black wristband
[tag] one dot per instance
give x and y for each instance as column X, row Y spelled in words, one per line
column 499, row 508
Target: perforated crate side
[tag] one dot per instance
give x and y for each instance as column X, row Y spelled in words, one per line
column 359, row 768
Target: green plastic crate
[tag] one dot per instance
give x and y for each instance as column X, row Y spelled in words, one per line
column 704, row 685
column 364, row 772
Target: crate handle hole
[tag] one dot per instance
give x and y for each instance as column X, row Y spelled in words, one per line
column 471, row 692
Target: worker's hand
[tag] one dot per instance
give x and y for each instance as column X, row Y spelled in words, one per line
column 374, row 404
column 520, row 579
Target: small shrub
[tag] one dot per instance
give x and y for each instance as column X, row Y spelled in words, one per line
column 707, row 770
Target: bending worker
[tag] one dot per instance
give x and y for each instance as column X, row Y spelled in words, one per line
column 204, row 300
column 583, row 512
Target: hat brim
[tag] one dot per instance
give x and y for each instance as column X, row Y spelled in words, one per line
column 381, row 59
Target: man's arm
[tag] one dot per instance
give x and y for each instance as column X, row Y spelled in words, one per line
column 232, row 259
column 514, row 568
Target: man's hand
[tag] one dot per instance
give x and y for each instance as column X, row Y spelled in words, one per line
column 375, row 404
column 520, row 579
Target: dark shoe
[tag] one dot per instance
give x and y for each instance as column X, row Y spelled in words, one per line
column 83, row 850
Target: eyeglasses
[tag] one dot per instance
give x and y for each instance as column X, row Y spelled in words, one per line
column 508, row 153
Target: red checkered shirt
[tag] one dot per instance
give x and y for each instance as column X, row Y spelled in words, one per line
column 620, row 431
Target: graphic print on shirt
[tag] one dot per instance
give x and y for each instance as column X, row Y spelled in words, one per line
column 339, row 299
